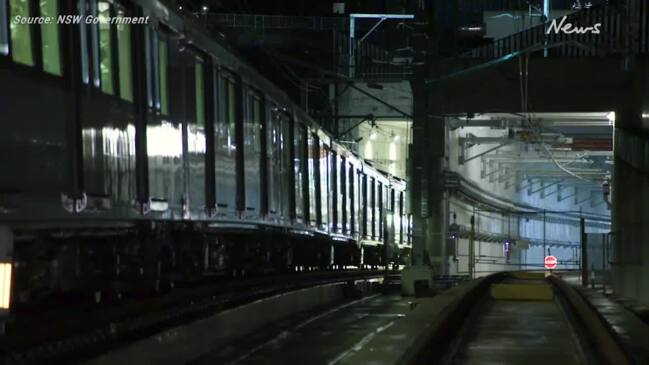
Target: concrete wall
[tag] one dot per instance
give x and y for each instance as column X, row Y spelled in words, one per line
column 386, row 145
column 489, row 256
column 631, row 229
column 630, row 188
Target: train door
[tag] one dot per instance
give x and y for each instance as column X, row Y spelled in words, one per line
column 359, row 203
column 284, row 163
column 299, row 164
column 196, row 68
column 366, row 218
column 343, row 195
column 372, row 207
column 225, row 145
column 164, row 70
column 106, row 108
column 379, row 209
column 398, row 211
column 325, row 187
column 335, row 195
column 273, row 161
column 352, row 199
column 313, row 168
column 252, row 152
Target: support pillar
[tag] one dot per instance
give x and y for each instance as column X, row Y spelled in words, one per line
column 630, row 190
column 428, row 196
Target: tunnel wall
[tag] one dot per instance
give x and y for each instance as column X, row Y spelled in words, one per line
column 561, row 234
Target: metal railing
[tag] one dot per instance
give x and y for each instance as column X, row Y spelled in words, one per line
column 371, row 62
column 253, row 21
column 612, row 37
column 487, row 5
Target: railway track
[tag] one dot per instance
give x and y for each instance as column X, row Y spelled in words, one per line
column 76, row 335
column 519, row 321
column 527, row 318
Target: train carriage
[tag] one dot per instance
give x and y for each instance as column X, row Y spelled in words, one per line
column 152, row 154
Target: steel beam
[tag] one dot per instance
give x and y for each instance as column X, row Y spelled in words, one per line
column 352, row 33
column 562, row 198
column 590, row 196
column 381, row 101
column 543, row 187
column 463, row 160
column 367, row 118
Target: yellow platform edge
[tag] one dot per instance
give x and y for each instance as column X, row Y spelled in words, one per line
column 521, row 292
column 526, row 275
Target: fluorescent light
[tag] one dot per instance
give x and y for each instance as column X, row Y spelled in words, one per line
column 5, row 285
column 392, row 151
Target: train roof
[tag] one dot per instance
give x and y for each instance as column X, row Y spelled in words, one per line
column 168, row 20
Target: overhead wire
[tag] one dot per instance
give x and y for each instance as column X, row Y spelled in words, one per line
column 535, row 127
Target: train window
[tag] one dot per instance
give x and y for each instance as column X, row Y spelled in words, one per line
column 124, row 54
column 200, row 95
column 148, row 60
column 21, row 35
column 50, row 38
column 162, row 54
column 4, row 37
column 94, row 37
column 155, row 84
column 105, row 48
column 83, row 38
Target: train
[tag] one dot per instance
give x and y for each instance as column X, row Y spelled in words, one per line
column 139, row 157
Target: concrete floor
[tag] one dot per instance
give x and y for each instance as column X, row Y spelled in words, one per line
column 315, row 338
column 518, row 332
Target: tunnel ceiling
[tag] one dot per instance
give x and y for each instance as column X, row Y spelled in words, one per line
column 573, row 149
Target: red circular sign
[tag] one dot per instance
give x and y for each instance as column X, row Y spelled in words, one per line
column 550, row 262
